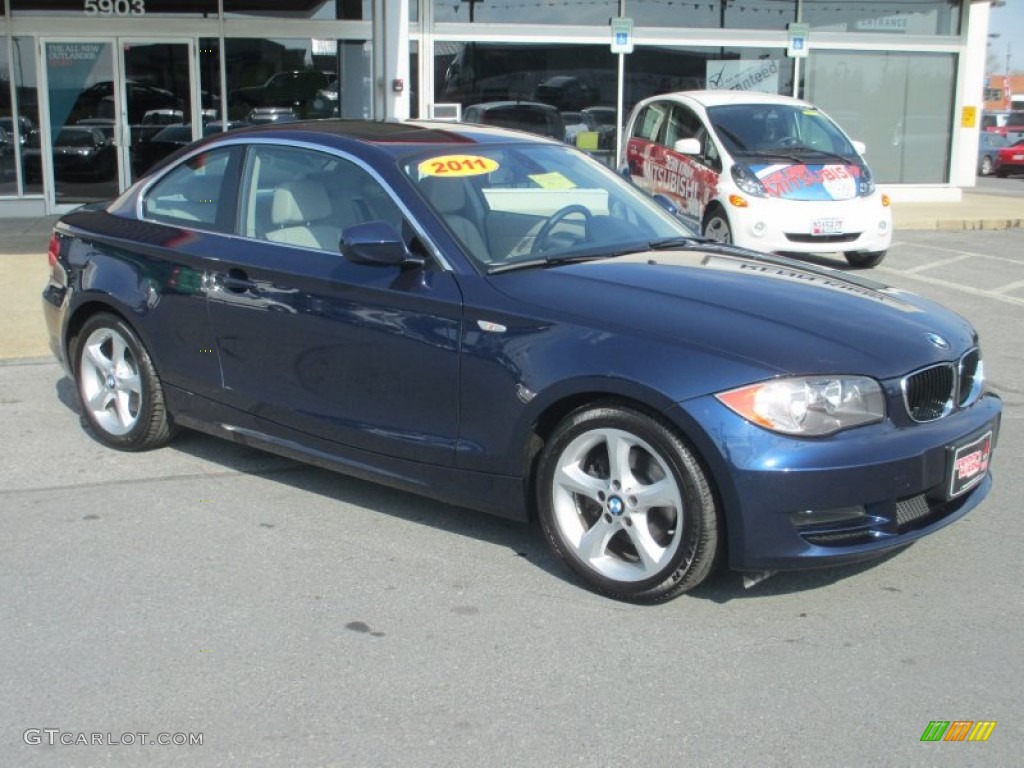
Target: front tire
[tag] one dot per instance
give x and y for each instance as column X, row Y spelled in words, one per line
column 717, row 227
column 625, row 503
column 986, row 166
column 118, row 387
column 864, row 259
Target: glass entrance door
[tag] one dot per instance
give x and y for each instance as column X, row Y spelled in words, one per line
column 107, row 103
column 158, row 103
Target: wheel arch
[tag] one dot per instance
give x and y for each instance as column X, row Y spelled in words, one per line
column 554, row 412
column 714, row 206
column 89, row 307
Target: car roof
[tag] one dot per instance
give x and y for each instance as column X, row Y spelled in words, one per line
column 715, row 98
column 389, row 136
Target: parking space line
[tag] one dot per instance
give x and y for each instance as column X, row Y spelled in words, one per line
column 953, row 286
column 1010, row 287
column 957, row 251
column 943, row 263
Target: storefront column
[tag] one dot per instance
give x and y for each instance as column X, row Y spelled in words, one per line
column 391, row 41
column 970, row 94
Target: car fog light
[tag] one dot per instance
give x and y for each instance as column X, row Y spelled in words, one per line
column 883, row 227
column 759, row 229
column 826, row 516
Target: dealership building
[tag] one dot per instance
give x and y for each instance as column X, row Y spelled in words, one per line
column 96, row 91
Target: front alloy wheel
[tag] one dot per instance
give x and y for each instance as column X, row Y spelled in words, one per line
column 118, row 387
column 625, row 503
column 717, row 227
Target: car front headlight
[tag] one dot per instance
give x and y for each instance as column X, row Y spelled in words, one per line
column 747, row 181
column 809, row 406
column 865, row 182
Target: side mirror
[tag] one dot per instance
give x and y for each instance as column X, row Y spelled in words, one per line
column 687, row 146
column 376, row 242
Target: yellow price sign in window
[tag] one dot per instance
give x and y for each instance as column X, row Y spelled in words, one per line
column 969, row 117
column 457, row 165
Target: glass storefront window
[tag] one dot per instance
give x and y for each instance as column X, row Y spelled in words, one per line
column 517, row 12
column 319, row 10
column 714, row 14
column 20, row 118
column 8, row 145
column 115, row 8
column 570, row 91
column 919, row 17
column 574, row 77
column 280, row 80
column 899, row 104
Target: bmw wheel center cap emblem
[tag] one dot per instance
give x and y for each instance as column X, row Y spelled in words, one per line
column 615, row 506
column 937, row 340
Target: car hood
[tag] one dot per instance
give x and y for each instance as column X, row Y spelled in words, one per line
column 780, row 315
column 799, row 181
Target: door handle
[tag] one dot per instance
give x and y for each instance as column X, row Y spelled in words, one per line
column 237, row 281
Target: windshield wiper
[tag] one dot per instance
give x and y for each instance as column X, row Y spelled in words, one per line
column 665, row 243
column 569, row 257
column 799, row 154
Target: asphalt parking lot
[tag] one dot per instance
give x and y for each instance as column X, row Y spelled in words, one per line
column 286, row 615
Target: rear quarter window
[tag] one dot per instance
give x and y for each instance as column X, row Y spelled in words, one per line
column 191, row 194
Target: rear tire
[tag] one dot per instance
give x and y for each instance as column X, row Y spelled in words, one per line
column 865, row 259
column 986, row 166
column 118, row 387
column 625, row 503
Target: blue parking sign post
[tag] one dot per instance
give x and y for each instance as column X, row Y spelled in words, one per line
column 622, row 35
column 622, row 43
column 797, row 37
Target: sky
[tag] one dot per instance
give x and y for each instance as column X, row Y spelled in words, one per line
column 1008, row 22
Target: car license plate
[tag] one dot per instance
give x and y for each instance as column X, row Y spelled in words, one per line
column 827, row 227
column 1018, row 157
column 969, row 464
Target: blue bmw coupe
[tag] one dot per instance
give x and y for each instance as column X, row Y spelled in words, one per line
column 493, row 319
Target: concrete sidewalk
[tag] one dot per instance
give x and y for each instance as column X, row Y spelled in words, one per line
column 974, row 211
column 24, row 269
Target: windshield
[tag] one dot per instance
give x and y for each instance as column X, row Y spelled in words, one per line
column 525, row 203
column 765, row 129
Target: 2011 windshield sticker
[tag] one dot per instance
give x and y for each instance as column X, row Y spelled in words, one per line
column 457, row 165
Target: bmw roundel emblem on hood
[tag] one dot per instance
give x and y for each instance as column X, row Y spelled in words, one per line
column 937, row 340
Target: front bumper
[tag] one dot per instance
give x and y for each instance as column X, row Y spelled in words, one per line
column 804, row 503
column 776, row 225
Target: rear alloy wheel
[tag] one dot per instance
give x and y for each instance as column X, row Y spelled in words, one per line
column 717, row 227
column 864, row 259
column 986, row 166
column 625, row 503
column 118, row 387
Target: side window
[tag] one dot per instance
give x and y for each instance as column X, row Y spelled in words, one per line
column 192, row 194
column 682, row 124
column 307, row 198
column 650, row 122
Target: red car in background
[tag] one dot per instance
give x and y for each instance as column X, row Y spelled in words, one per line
column 1010, row 160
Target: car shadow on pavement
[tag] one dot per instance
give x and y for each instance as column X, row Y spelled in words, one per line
column 726, row 585
column 520, row 540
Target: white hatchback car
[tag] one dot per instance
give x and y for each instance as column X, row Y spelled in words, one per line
column 759, row 170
